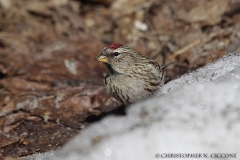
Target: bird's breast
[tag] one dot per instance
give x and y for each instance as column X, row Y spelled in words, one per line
column 128, row 89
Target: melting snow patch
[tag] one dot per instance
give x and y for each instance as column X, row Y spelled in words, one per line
column 197, row 113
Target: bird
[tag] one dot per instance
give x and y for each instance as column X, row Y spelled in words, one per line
column 132, row 77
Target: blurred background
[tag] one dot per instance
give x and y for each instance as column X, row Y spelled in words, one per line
column 50, row 86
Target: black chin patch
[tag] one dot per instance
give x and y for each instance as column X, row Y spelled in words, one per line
column 111, row 69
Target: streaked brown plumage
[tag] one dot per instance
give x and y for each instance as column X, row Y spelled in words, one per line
column 132, row 76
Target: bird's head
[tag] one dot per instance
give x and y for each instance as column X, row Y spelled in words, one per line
column 119, row 58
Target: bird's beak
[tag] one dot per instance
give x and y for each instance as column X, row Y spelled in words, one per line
column 102, row 58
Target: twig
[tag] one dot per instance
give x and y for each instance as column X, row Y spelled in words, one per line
column 197, row 42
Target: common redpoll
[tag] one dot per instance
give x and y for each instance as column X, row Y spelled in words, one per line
column 133, row 77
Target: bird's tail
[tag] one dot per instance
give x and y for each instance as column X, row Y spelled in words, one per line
column 166, row 65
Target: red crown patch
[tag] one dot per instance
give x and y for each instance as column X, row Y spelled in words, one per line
column 114, row 46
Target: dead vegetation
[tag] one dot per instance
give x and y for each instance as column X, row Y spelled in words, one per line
column 49, row 82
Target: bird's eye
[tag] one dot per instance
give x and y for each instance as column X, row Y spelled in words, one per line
column 116, row 53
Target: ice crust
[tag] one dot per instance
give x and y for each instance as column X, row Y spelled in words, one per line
column 197, row 113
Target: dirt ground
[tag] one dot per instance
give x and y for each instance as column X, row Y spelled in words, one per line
column 50, row 86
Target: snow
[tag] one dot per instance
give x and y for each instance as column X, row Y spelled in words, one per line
column 197, row 113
